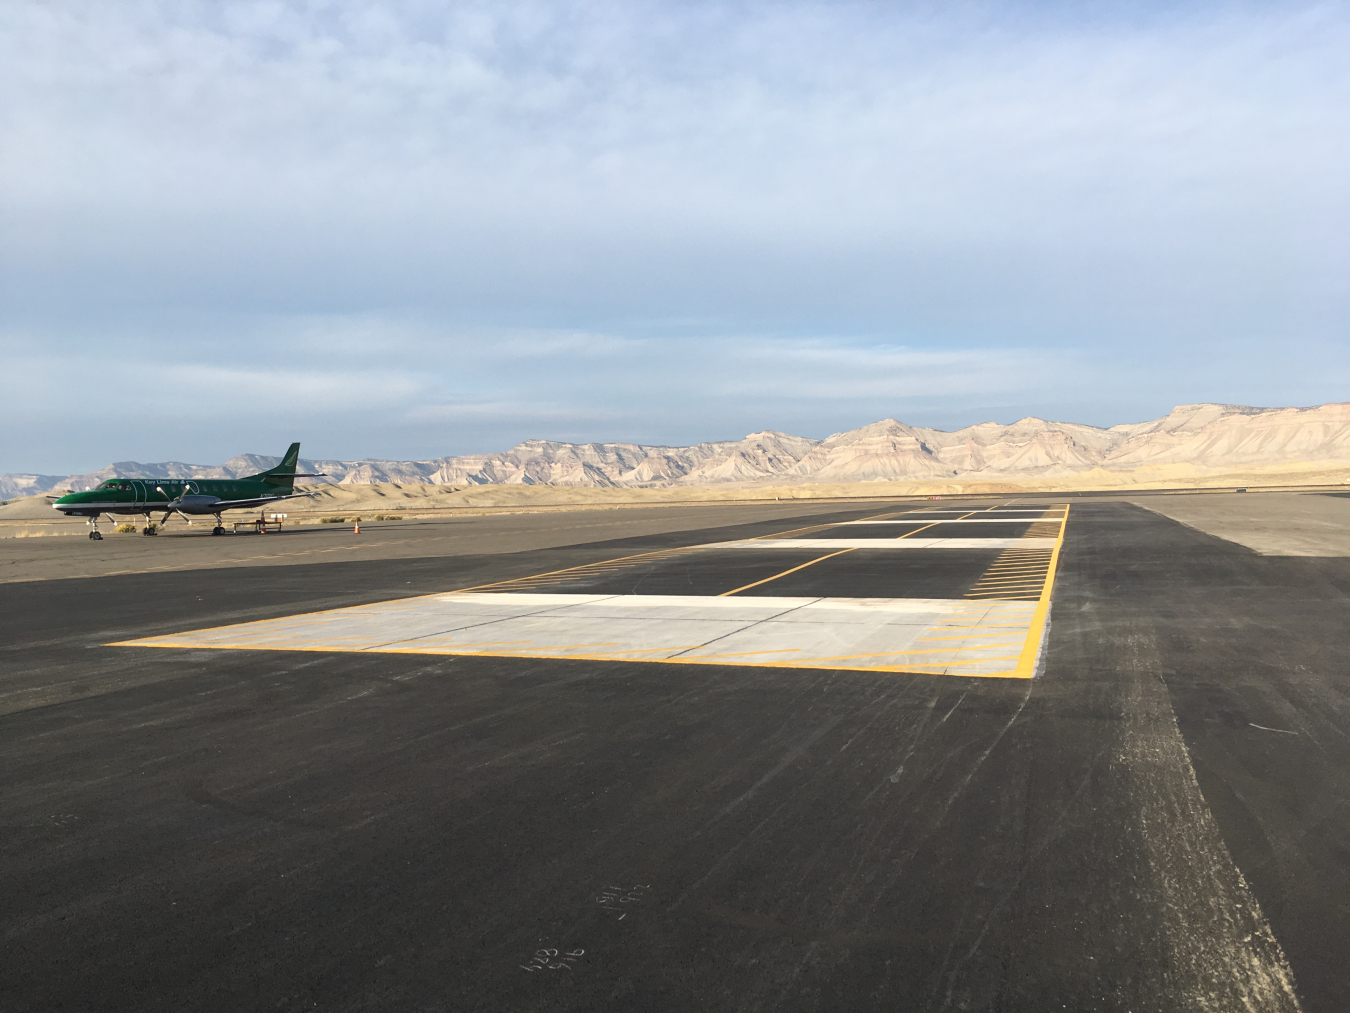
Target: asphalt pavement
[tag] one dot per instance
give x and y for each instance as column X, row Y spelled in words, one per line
column 1156, row 822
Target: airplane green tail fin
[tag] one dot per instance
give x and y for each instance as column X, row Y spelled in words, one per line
column 284, row 473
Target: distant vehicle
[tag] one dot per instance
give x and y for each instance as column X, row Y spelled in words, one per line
column 195, row 496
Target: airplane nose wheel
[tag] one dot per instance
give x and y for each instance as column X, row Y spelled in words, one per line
column 94, row 536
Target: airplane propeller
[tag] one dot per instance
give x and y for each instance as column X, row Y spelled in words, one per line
column 172, row 509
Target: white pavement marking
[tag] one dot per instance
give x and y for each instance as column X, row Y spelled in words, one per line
column 924, row 635
column 886, row 543
column 958, row 520
column 993, row 513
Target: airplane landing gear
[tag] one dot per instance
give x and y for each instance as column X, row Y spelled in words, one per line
column 94, row 535
column 219, row 529
column 149, row 529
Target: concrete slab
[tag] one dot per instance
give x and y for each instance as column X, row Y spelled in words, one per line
column 934, row 636
column 999, row 519
column 1272, row 524
column 887, row 543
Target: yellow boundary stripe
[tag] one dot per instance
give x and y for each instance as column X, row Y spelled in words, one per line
column 934, row 664
column 417, row 647
column 915, row 669
column 1026, row 664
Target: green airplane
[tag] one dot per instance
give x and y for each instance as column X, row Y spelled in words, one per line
column 195, row 496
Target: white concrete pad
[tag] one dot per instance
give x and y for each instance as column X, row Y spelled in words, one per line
column 957, row 520
column 989, row 513
column 913, row 542
column 939, row 636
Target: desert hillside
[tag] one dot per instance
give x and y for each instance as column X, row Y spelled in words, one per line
column 1195, row 442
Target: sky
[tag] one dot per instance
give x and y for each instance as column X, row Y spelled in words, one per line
column 409, row 230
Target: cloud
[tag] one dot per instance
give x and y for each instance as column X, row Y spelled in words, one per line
column 664, row 221
column 834, row 370
column 512, row 412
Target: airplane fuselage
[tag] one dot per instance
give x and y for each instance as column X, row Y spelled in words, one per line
column 189, row 496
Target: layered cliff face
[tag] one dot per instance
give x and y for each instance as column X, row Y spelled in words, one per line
column 893, row 451
column 1233, row 435
column 1212, row 437
column 542, row 462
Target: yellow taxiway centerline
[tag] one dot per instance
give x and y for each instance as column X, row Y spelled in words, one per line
column 766, row 580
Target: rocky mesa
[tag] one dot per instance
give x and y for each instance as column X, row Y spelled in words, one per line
column 1197, row 438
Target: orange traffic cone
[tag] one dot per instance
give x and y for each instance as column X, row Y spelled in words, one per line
column 357, row 529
